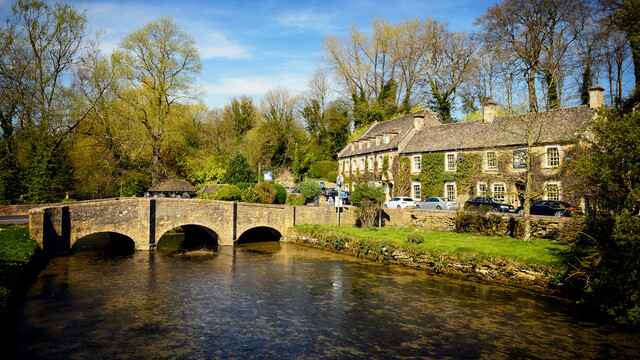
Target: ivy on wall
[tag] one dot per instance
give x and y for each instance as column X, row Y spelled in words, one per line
column 401, row 169
column 433, row 176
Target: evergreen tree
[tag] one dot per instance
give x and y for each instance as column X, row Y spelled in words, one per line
column 238, row 170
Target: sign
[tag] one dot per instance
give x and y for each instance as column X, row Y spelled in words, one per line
column 339, row 180
column 342, row 196
column 322, row 184
column 267, row 175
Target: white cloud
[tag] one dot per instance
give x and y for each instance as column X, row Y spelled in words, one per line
column 307, row 20
column 219, row 93
column 212, row 44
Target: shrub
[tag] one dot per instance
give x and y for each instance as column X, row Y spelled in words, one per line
column 266, row 192
column 477, row 223
column 229, row 193
column 367, row 197
column 310, row 189
column 415, row 238
column 321, row 169
column 332, row 176
column 238, row 170
column 281, row 194
column 296, row 199
column 250, row 195
column 135, row 185
column 244, row 185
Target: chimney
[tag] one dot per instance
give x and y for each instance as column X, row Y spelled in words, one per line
column 596, row 96
column 490, row 111
column 418, row 120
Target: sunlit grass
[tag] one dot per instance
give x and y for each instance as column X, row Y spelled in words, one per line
column 542, row 252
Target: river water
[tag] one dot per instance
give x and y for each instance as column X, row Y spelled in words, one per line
column 276, row 300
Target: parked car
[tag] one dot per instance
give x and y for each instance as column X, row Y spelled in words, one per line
column 438, row 203
column 488, row 204
column 334, row 193
column 550, row 208
column 400, row 203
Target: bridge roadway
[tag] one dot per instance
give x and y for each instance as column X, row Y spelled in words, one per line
column 144, row 220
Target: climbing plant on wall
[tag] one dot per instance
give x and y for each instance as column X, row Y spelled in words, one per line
column 401, row 169
column 433, row 176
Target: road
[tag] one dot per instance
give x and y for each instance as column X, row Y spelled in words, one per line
column 14, row 219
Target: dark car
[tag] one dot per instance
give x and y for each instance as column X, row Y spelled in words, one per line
column 487, row 204
column 334, row 193
column 549, row 208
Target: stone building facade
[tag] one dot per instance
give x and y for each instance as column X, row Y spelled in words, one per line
column 460, row 160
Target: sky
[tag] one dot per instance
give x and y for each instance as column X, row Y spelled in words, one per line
column 249, row 47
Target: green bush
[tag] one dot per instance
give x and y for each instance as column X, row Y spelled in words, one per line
column 250, row 195
column 229, row 193
column 281, row 194
column 238, row 170
column 296, row 199
column 244, row 185
column 310, row 189
column 321, row 169
column 135, row 185
column 266, row 192
column 415, row 238
column 332, row 176
column 477, row 223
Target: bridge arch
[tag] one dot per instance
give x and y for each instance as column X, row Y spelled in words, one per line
column 259, row 234
column 110, row 241
column 187, row 237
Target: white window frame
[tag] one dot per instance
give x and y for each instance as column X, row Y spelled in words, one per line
column 558, row 192
column 354, row 166
column 386, row 138
column 377, row 139
column 371, row 161
column 353, row 146
column 359, row 145
column 548, row 161
column 455, row 190
column 416, row 163
column 346, row 187
column 479, row 191
column 347, row 166
column 487, row 165
column 502, row 198
column 448, row 166
column 362, row 163
column 380, row 161
column 416, row 190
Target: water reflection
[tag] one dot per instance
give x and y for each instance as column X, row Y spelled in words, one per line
column 273, row 300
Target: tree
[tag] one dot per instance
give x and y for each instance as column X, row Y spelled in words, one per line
column 367, row 197
column 626, row 15
column 161, row 60
column 310, row 189
column 279, row 129
column 238, row 170
column 42, row 45
column 242, row 113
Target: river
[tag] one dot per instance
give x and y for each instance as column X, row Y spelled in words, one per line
column 275, row 300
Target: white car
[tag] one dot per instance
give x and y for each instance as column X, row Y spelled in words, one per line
column 400, row 202
column 438, row 203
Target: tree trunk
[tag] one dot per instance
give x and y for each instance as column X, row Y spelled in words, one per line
column 531, row 85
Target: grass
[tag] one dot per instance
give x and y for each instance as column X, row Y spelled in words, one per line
column 462, row 246
column 16, row 251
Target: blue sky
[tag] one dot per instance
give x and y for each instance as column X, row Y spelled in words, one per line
column 249, row 47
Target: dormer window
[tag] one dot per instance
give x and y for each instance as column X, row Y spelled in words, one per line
column 359, row 145
column 377, row 139
column 386, row 138
column 353, row 147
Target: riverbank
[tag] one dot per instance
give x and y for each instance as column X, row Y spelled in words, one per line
column 538, row 265
column 17, row 253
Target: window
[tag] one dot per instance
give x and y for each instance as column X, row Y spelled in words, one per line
column 482, row 189
column 354, row 166
column 450, row 161
column 362, row 161
column 552, row 190
column 377, row 139
column 353, row 146
column 500, row 192
column 368, row 143
column 450, row 189
column 359, row 144
column 386, row 138
column 553, row 156
column 371, row 161
column 346, row 165
column 519, row 159
column 417, row 191
column 416, row 164
column 346, row 187
column 380, row 160
column 491, row 160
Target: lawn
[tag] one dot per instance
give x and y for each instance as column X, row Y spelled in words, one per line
column 462, row 246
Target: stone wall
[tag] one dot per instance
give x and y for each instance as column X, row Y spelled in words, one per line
column 324, row 215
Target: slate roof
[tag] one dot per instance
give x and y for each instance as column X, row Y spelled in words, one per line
column 401, row 126
column 173, row 185
column 555, row 127
column 209, row 189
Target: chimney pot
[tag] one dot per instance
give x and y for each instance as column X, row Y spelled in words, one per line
column 596, row 96
column 490, row 110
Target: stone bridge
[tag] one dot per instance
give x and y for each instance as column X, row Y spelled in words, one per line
column 145, row 220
